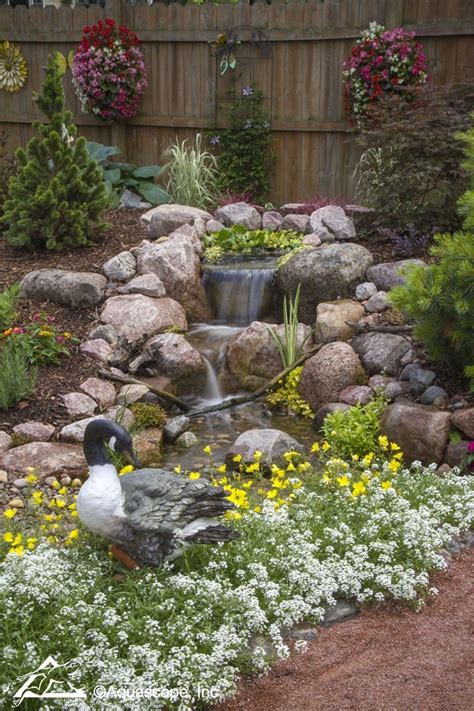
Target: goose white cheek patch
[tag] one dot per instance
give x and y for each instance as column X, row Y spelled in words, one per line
column 112, row 442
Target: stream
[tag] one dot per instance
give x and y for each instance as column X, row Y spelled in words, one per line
column 239, row 292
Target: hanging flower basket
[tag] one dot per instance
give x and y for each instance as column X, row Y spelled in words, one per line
column 13, row 68
column 382, row 62
column 109, row 72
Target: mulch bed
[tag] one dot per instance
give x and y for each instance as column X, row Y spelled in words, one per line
column 124, row 232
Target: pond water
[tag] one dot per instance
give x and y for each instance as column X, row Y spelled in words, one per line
column 239, row 292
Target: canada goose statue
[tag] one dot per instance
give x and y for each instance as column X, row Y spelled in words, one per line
column 148, row 515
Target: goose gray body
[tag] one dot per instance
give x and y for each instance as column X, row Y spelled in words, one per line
column 151, row 514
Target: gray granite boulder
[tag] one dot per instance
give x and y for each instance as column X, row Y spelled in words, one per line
column 328, row 273
column 272, row 443
column 334, row 219
column 422, row 432
column 271, row 220
column 122, row 267
column 74, row 432
column 239, row 213
column 388, row 274
column 381, row 352
column 34, row 431
column 171, row 355
column 326, row 374
column 46, row 457
column 297, row 223
column 99, row 390
column 82, row 290
column 134, row 316
column 97, row 349
column 147, row 285
column 79, row 404
column 464, row 421
column 332, row 319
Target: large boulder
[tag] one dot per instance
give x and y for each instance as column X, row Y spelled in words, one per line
column 74, row 432
column 134, row 316
column 252, row 358
column 422, row 432
column 239, row 213
column 47, row 458
column 82, row 290
column 272, row 443
column 174, row 357
column 34, row 431
column 178, row 266
column 381, row 352
column 147, row 284
column 101, row 391
column 328, row 372
column 164, row 219
column 332, row 318
column 464, row 421
column 388, row 274
column 334, row 219
column 325, row 274
column 297, row 223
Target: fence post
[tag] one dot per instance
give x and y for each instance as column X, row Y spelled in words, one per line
column 118, row 129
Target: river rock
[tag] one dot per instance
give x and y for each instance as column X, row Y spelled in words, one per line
column 341, row 611
column 239, row 213
column 175, row 358
column 47, row 458
column 175, row 427
column 82, row 290
column 297, row 223
column 186, row 440
column 325, row 274
column 134, row 316
column 178, row 266
column 356, row 394
column 312, row 240
column 422, row 432
column 271, row 220
column 147, row 446
column 97, row 349
column 99, row 390
column 420, row 379
column 396, row 388
column 381, row 352
column 147, row 285
column 122, row 267
column 5, row 442
column 34, row 431
column 464, row 421
column 213, row 226
column 104, row 332
column 328, row 372
column 252, row 358
column 132, row 393
column 436, row 396
column 273, row 444
column 79, row 404
column 332, row 317
column 388, row 274
column 377, row 303
column 290, row 208
column 334, row 219
column 365, row 290
column 186, row 211
column 163, row 223
column 74, row 432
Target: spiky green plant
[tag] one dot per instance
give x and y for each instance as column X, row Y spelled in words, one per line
column 17, row 375
column 288, row 347
column 8, row 302
column 192, row 174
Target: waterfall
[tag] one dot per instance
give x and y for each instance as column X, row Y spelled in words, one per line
column 212, row 392
column 239, row 293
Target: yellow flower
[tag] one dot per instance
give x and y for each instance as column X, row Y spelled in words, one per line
column 8, row 537
column 304, row 466
column 233, row 515
column 257, row 455
column 49, row 517
column 19, row 550
column 18, row 539
column 72, row 507
column 55, row 484
column 272, row 494
column 10, row 513
column 367, row 460
column 394, row 465
column 365, row 477
column 74, row 514
column 221, row 469
column 52, row 539
column 207, row 449
column 252, row 467
column 31, row 478
column 297, row 484
column 291, row 467
column 178, row 469
column 37, row 497
column 60, row 503
column 315, row 447
column 325, row 445
column 399, row 455
column 44, row 332
column 326, row 477
column 237, row 458
column 7, row 332
column 383, row 441
column 31, row 543
column 358, row 489
column 386, row 484
column 62, row 490
column 73, row 534
column 394, row 447
column 124, row 470
column 248, row 484
column 66, row 334
column 343, row 480
column 258, row 509
column 194, row 475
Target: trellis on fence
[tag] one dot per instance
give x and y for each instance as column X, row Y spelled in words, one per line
column 300, row 76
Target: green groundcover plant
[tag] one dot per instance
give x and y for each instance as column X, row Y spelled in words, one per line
column 361, row 530
column 239, row 240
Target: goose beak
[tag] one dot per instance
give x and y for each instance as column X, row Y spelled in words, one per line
column 131, row 457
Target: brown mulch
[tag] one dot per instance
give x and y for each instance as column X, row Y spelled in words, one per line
column 383, row 249
column 389, row 658
column 124, row 232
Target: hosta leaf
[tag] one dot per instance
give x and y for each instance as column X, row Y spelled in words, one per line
column 152, row 193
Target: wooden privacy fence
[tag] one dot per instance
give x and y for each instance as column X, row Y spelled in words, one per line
column 315, row 151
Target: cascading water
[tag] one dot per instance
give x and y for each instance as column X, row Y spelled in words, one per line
column 240, row 292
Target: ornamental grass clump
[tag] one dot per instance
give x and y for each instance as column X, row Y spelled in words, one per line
column 192, row 175
column 109, row 72
column 382, row 62
column 57, row 197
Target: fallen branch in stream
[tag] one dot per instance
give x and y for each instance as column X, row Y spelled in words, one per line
column 119, row 377
column 366, row 328
column 234, row 401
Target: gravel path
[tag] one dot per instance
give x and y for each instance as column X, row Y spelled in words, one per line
column 382, row 660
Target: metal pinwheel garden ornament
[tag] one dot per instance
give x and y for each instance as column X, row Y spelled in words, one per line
column 13, row 68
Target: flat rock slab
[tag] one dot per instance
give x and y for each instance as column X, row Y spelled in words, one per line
column 186, row 211
column 47, row 458
column 78, row 289
column 75, row 431
column 134, row 315
column 34, row 431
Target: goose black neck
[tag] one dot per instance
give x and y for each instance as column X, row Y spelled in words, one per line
column 95, row 435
